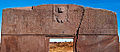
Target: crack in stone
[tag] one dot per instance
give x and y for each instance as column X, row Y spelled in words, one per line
column 76, row 37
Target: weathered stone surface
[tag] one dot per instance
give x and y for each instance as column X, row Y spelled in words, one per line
column 119, row 46
column 98, row 21
column 28, row 43
column 44, row 19
column 58, row 19
column 0, row 47
column 28, row 29
column 98, row 43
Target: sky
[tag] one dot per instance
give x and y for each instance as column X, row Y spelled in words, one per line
column 113, row 5
column 60, row 40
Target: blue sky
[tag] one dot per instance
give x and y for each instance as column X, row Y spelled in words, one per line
column 113, row 5
column 60, row 40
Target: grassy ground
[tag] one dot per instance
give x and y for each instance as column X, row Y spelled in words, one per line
column 61, row 47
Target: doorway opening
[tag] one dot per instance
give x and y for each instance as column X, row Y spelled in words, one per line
column 61, row 45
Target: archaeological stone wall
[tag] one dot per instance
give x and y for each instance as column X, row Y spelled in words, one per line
column 28, row 29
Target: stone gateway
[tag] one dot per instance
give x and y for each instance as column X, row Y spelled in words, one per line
column 28, row 29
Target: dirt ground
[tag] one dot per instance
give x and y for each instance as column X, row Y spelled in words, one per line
column 61, row 47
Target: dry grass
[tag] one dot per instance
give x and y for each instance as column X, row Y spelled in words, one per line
column 61, row 47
